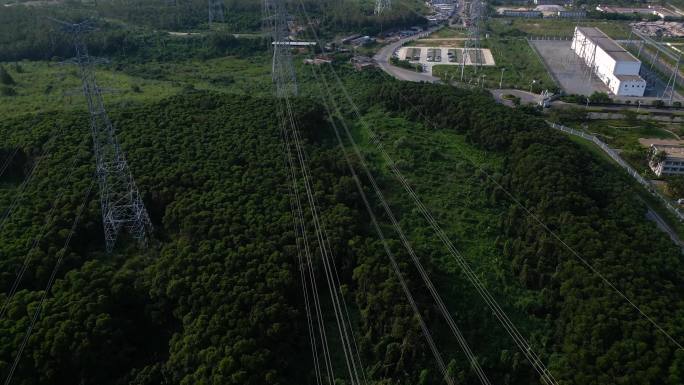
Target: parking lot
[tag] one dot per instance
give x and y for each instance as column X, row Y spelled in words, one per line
column 567, row 68
column 430, row 56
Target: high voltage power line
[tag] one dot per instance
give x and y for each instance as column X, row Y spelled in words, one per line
column 48, row 287
column 275, row 17
column 335, row 112
column 43, row 231
column 503, row 318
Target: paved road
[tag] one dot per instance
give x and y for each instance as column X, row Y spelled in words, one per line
column 383, row 57
column 525, row 97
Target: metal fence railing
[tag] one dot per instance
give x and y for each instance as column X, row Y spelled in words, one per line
column 630, row 170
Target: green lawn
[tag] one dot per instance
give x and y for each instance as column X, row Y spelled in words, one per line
column 447, row 32
column 554, row 27
column 44, row 86
column 624, row 134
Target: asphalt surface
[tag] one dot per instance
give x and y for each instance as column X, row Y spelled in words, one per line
column 525, row 97
column 383, row 57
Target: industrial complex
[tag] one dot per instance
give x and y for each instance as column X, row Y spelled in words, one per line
column 612, row 64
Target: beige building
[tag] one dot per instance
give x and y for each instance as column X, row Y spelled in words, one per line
column 666, row 159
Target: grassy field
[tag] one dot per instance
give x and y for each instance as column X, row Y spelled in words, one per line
column 521, row 63
column 553, row 27
column 447, row 32
column 624, row 134
column 438, row 43
column 42, row 86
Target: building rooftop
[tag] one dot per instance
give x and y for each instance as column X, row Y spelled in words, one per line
column 647, row 142
column 607, row 44
column 629, row 77
column 672, row 150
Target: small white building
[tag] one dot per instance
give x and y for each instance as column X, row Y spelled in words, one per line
column 612, row 64
column 522, row 13
column 572, row 14
column 666, row 159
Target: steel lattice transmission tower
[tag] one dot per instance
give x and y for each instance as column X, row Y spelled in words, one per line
column 381, row 5
column 216, row 11
column 276, row 22
column 472, row 18
column 120, row 201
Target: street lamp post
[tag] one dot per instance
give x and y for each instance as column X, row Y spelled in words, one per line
column 501, row 80
column 531, row 84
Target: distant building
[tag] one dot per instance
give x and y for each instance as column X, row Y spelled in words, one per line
column 614, row 66
column 318, row 60
column 666, row 159
column 525, row 14
column 361, row 63
column 655, row 10
column 572, row 14
column 295, row 43
column 348, row 39
column 363, row 40
column 553, row 2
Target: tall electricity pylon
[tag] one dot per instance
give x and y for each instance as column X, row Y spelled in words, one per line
column 381, row 5
column 275, row 21
column 216, row 11
column 120, row 201
column 472, row 17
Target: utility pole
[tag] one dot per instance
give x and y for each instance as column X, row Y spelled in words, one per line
column 120, row 201
column 501, row 79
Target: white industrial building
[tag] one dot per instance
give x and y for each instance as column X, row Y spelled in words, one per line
column 611, row 63
column 666, row 159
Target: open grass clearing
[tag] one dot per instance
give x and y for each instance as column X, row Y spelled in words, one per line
column 617, row 29
column 44, row 86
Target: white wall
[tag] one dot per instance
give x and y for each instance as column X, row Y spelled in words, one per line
column 606, row 67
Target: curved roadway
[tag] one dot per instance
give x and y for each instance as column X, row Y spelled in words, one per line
column 383, row 59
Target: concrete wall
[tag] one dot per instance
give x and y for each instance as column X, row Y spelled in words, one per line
column 627, row 68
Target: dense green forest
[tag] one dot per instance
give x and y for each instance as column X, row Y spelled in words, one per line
column 215, row 299
column 596, row 337
column 133, row 28
column 216, row 296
